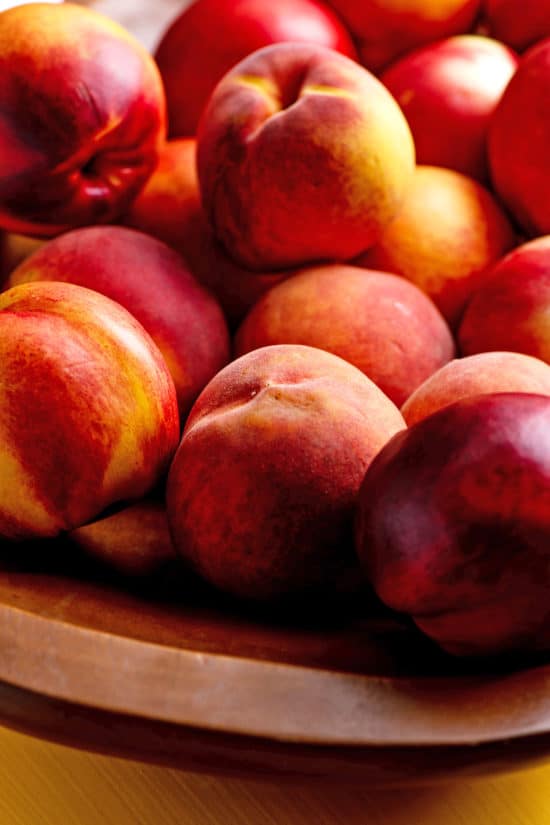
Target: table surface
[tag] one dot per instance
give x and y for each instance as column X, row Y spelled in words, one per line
column 45, row 784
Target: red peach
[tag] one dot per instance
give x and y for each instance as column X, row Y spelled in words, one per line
column 153, row 283
column 79, row 127
column 487, row 372
column 302, row 155
column 518, row 141
column 380, row 323
column 448, row 92
column 511, row 310
column 88, row 414
column 453, row 524
column 386, row 29
column 261, row 492
column 210, row 36
column 448, row 233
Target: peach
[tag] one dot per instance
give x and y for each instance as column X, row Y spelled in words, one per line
column 386, row 29
column 302, row 155
column 153, row 283
column 210, row 36
column 261, row 492
column 88, row 414
column 453, row 524
column 448, row 233
column 448, row 92
column 380, row 323
column 511, row 310
column 519, row 23
column 169, row 208
column 518, row 142
column 169, row 205
column 80, row 127
column 487, row 372
column 134, row 541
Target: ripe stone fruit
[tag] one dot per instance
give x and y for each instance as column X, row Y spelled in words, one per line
column 518, row 141
column 450, row 231
column 210, row 36
column 380, row 323
column 302, row 155
column 134, row 541
column 453, row 524
column 80, row 126
column 511, row 310
column 153, row 283
column 488, row 372
column 88, row 410
column 169, row 207
column 519, row 23
column 261, row 492
column 386, row 29
column 448, row 92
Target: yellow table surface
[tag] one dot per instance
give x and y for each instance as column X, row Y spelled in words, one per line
column 45, row 784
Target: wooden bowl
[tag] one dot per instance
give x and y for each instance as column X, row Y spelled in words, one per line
column 172, row 673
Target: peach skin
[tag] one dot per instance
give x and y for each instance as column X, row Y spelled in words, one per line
column 487, row 372
column 450, row 231
column 303, row 156
column 261, row 492
column 380, row 323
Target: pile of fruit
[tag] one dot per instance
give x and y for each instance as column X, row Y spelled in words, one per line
column 281, row 295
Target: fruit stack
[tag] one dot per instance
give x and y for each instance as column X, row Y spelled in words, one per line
column 280, row 294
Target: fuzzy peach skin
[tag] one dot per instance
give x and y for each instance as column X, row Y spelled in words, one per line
column 519, row 23
column 511, row 311
column 82, row 115
column 385, row 29
column 302, row 156
column 169, row 208
column 134, row 541
column 210, row 36
column 448, row 92
column 261, row 492
column 518, row 141
column 487, row 372
column 447, row 235
column 88, row 415
column 380, row 323
column 153, row 283
column 453, row 524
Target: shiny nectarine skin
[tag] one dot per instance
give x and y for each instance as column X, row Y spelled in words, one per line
column 153, row 283
column 453, row 524
column 80, row 127
column 518, row 141
column 386, row 29
column 261, row 491
column 519, row 23
column 88, row 411
column 448, row 92
column 511, row 309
